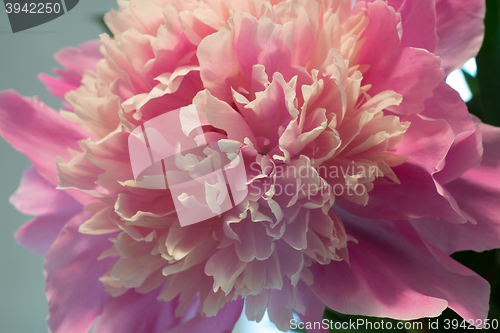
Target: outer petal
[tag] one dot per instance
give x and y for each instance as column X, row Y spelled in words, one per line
column 74, row 293
column 36, row 196
column 466, row 150
column 427, row 143
column 413, row 73
column 37, row 131
column 419, row 23
column 418, row 19
column 314, row 309
column 228, row 57
column 76, row 61
column 478, row 194
column 223, row 322
column 393, row 273
column 137, row 313
column 460, row 29
column 221, row 115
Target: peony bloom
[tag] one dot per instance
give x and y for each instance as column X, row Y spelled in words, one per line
column 364, row 168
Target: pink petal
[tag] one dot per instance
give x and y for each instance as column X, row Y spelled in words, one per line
column 101, row 112
column 37, row 131
column 426, row 143
column 223, row 322
column 314, row 308
column 279, row 309
column 57, row 87
column 145, row 18
column 466, row 150
column 254, row 243
column 419, row 23
column 394, row 274
column 459, row 33
column 272, row 108
column 306, row 25
column 74, row 293
column 418, row 19
column 119, row 56
column 172, row 46
column 36, row 196
column 478, row 194
column 131, row 206
column 38, row 234
column 76, row 61
column 137, row 313
column 460, row 29
column 225, row 266
column 413, row 73
column 153, row 106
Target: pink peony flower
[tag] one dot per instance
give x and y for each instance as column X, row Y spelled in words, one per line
column 364, row 168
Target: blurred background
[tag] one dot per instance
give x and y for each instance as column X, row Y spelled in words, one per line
column 25, row 54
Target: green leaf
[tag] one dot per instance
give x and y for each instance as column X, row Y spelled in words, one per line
column 471, row 82
column 486, row 101
column 369, row 324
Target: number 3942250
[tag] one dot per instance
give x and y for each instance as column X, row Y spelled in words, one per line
column 33, row 8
